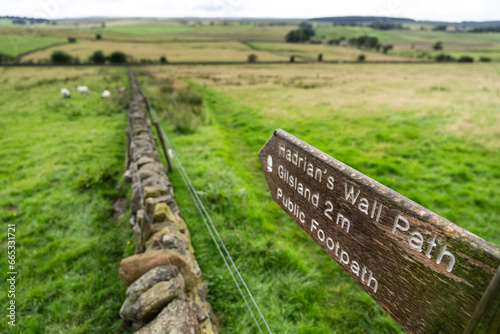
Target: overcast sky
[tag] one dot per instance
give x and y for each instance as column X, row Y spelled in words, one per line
column 439, row 10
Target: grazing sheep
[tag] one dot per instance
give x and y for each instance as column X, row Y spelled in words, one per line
column 82, row 89
column 65, row 92
column 106, row 94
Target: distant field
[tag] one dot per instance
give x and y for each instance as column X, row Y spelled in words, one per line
column 5, row 22
column 311, row 51
column 88, row 31
column 175, row 52
column 242, row 32
column 430, row 132
column 454, row 51
column 414, row 43
column 13, row 45
column 145, row 29
column 409, row 36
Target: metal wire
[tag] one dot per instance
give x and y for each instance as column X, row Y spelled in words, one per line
column 206, row 217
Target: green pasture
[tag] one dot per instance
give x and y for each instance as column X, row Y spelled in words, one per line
column 407, row 36
column 430, row 132
column 61, row 172
column 308, row 52
column 147, row 29
column 5, row 22
column 12, row 45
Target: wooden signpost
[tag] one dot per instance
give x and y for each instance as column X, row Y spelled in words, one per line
column 431, row 275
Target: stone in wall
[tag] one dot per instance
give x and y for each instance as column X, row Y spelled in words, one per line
column 175, row 318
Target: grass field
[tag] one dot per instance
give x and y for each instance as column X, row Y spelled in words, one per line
column 5, row 22
column 311, row 52
column 175, row 52
column 412, row 43
column 12, row 45
column 430, row 132
column 149, row 29
column 68, row 246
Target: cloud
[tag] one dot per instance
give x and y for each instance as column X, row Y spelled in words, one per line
column 445, row 10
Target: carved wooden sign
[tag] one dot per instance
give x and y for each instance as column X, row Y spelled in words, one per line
column 427, row 272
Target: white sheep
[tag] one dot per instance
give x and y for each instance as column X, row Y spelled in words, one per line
column 82, row 89
column 65, row 92
column 106, row 94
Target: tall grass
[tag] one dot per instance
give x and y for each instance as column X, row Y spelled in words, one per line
column 68, row 246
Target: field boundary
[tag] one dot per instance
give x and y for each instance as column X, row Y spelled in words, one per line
column 257, row 63
column 166, row 289
column 253, row 47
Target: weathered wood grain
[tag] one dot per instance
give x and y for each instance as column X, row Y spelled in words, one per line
column 486, row 318
column 427, row 272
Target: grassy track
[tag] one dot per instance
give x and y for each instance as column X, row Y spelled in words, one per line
column 68, row 245
column 416, row 128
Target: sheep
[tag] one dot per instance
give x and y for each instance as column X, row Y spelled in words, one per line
column 82, row 89
column 106, row 94
column 65, row 92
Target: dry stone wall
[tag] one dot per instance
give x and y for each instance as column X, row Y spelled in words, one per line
column 166, row 292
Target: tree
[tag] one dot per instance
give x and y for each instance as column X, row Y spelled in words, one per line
column 103, row 25
column 304, row 33
column 98, row 36
column 444, row 58
column 320, row 57
column 365, row 42
column 163, row 60
column 71, row 40
column 19, row 21
column 292, row 59
column 307, row 28
column 98, row 57
column 60, row 57
column 438, row 46
column 361, row 58
column 252, row 58
column 296, row 36
column 118, row 57
column 384, row 25
column 387, row 48
column 465, row 59
column 441, row 27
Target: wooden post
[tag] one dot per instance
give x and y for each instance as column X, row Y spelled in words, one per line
column 164, row 147
column 486, row 318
